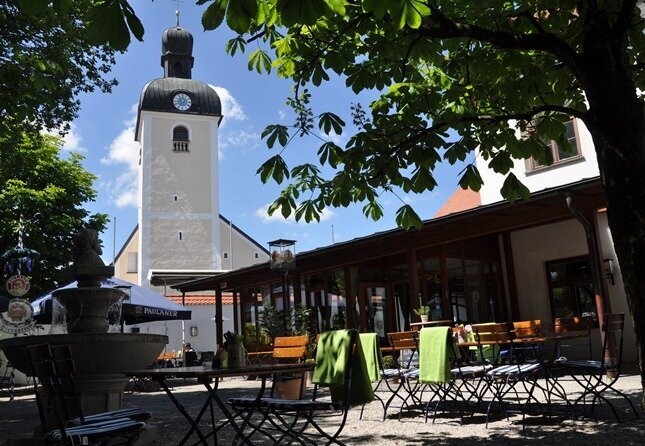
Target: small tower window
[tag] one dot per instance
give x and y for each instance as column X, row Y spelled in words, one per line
column 177, row 69
column 180, row 236
column 256, row 255
column 226, row 255
column 180, row 139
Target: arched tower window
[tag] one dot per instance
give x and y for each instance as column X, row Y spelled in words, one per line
column 180, row 139
column 176, row 69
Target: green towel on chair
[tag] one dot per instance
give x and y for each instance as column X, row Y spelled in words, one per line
column 331, row 364
column 436, row 349
column 369, row 343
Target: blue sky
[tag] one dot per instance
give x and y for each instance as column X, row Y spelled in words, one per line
column 103, row 132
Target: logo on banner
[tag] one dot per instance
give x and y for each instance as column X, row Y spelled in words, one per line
column 19, row 317
column 18, row 285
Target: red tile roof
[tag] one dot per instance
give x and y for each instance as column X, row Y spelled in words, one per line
column 460, row 200
column 202, row 299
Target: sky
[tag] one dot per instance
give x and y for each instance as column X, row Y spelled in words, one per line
column 104, row 134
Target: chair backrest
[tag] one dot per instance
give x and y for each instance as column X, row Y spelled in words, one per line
column 568, row 325
column 613, row 327
column 290, row 348
column 47, row 398
column 66, row 370
column 489, row 336
column 525, row 329
column 190, row 358
column 404, row 340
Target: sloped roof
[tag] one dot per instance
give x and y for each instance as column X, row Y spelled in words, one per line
column 460, row 200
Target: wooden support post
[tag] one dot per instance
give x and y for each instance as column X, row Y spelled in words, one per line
column 510, row 277
column 219, row 330
column 236, row 316
column 350, row 298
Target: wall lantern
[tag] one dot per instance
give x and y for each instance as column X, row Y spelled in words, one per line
column 193, row 331
column 609, row 270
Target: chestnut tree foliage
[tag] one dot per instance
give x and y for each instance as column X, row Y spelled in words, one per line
column 51, row 192
column 504, row 75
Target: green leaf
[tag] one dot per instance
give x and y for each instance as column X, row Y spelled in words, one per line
column 305, row 12
column 237, row 43
column 133, row 21
column 259, row 60
column 513, row 189
column 337, row 6
column 471, row 178
column 376, row 7
column 407, row 218
column 240, row 14
column 373, row 210
column 411, row 13
column 276, row 132
column 331, row 153
column 107, row 24
column 275, row 168
column 328, row 121
column 422, row 180
column 501, row 162
column 214, row 15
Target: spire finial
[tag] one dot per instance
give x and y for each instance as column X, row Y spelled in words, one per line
column 177, row 13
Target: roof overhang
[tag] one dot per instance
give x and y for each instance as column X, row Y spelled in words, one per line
column 544, row 207
column 161, row 277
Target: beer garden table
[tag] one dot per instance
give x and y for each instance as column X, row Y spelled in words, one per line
column 205, row 376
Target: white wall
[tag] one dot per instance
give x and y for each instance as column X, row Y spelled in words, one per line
column 568, row 172
column 531, row 249
column 616, row 292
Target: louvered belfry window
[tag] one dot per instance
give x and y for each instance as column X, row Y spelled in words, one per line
column 180, row 140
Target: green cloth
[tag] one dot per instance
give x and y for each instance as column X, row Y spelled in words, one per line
column 436, row 349
column 331, row 365
column 369, row 344
column 490, row 352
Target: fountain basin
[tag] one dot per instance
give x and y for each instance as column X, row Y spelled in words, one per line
column 101, row 360
column 86, row 309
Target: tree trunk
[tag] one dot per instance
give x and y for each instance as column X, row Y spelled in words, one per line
column 616, row 120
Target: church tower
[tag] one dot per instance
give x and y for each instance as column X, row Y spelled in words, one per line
column 177, row 129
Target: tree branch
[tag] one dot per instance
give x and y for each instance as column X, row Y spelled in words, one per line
column 625, row 16
column 546, row 42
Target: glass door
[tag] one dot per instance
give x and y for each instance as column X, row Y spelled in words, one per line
column 376, row 309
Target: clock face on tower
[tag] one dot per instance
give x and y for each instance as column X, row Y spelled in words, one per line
column 181, row 101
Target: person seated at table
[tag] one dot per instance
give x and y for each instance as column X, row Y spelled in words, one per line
column 190, row 356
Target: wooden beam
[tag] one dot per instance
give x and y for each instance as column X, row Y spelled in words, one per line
column 219, row 330
column 236, row 317
column 510, row 277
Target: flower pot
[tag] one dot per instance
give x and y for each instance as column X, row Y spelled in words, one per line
column 424, row 317
column 291, row 388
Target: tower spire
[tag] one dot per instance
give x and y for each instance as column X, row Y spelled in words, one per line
column 177, row 13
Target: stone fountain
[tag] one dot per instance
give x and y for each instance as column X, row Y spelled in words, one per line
column 101, row 358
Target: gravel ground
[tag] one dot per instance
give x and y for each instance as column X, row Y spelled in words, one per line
column 19, row 417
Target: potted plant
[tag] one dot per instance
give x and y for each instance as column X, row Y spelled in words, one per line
column 423, row 312
column 236, row 354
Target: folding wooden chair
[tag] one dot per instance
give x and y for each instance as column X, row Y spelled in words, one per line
column 405, row 350
column 596, row 377
column 504, row 379
column 114, row 431
column 70, row 399
column 307, row 412
column 285, row 349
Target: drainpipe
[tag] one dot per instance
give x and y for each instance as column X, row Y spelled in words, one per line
column 590, row 233
column 602, row 307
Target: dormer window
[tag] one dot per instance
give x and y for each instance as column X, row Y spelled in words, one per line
column 180, row 139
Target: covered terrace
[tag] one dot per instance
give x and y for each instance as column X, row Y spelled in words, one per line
column 460, row 265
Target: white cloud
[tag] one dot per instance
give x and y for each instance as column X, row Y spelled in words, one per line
column 336, row 139
column 241, row 139
column 282, row 115
column 124, row 150
column 263, row 213
column 231, row 109
column 71, row 140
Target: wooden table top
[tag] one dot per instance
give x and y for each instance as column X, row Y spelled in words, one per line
column 204, row 372
column 555, row 337
column 432, row 323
